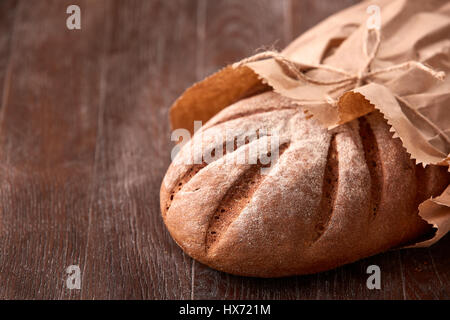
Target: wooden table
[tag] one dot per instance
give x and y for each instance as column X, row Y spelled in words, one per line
column 85, row 142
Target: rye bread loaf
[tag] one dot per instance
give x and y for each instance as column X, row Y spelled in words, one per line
column 331, row 198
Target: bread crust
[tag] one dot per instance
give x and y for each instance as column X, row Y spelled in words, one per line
column 331, row 198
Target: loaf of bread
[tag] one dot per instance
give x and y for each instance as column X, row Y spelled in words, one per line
column 331, row 197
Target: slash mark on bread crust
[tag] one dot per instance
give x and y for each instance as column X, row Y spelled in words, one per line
column 373, row 161
column 197, row 167
column 329, row 189
column 182, row 182
column 235, row 200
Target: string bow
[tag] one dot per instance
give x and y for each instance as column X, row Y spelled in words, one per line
column 356, row 80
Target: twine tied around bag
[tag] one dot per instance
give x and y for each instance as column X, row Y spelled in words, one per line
column 356, row 79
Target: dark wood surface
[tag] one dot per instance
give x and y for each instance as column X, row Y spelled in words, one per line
column 84, row 144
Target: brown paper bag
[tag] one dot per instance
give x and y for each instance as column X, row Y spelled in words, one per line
column 341, row 70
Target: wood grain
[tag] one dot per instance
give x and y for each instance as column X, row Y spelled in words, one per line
column 47, row 142
column 426, row 272
column 145, row 58
column 8, row 11
column 85, row 142
column 306, row 14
